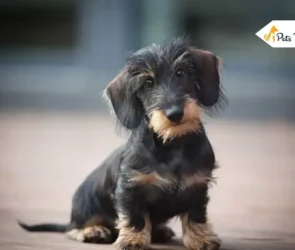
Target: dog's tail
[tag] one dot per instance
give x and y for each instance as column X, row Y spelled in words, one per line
column 59, row 228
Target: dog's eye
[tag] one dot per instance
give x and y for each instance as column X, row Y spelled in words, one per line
column 180, row 73
column 149, row 83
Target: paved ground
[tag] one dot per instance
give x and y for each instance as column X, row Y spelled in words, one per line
column 44, row 156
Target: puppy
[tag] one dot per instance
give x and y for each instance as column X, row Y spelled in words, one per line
column 165, row 168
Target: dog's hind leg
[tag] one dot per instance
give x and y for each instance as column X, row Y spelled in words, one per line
column 92, row 217
column 162, row 234
column 92, row 231
column 92, row 234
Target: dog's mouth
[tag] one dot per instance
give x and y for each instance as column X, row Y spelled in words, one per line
column 177, row 124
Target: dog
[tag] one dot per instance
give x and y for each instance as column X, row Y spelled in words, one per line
column 166, row 166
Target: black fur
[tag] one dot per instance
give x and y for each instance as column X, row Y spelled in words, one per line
column 106, row 191
column 60, row 228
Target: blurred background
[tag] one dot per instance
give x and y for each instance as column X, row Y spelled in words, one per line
column 56, row 57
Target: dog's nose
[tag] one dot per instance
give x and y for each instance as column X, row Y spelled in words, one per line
column 174, row 114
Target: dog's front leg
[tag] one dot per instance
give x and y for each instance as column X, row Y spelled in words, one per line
column 197, row 231
column 133, row 221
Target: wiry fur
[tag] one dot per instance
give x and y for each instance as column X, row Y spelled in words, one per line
column 165, row 167
column 161, row 125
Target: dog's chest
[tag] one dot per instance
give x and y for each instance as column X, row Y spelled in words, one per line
column 176, row 161
column 170, row 189
column 173, row 177
column 167, row 203
column 172, row 180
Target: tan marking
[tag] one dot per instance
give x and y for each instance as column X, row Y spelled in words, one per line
column 146, row 74
column 103, row 232
column 160, row 124
column 153, row 178
column 86, row 233
column 76, row 234
column 179, row 59
column 198, row 236
column 195, row 180
column 128, row 236
column 117, row 86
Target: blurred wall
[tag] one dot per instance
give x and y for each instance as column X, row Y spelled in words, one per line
column 60, row 54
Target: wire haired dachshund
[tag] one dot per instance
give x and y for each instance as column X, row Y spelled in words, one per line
column 166, row 166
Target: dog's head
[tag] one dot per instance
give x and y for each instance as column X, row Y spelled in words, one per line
column 166, row 85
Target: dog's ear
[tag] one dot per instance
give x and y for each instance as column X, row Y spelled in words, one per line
column 127, row 107
column 207, row 76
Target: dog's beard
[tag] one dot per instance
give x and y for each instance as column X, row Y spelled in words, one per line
column 166, row 129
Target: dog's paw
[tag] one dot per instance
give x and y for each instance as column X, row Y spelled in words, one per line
column 94, row 234
column 213, row 243
column 133, row 247
column 202, row 241
column 133, row 241
column 162, row 234
column 97, row 234
column 199, row 236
